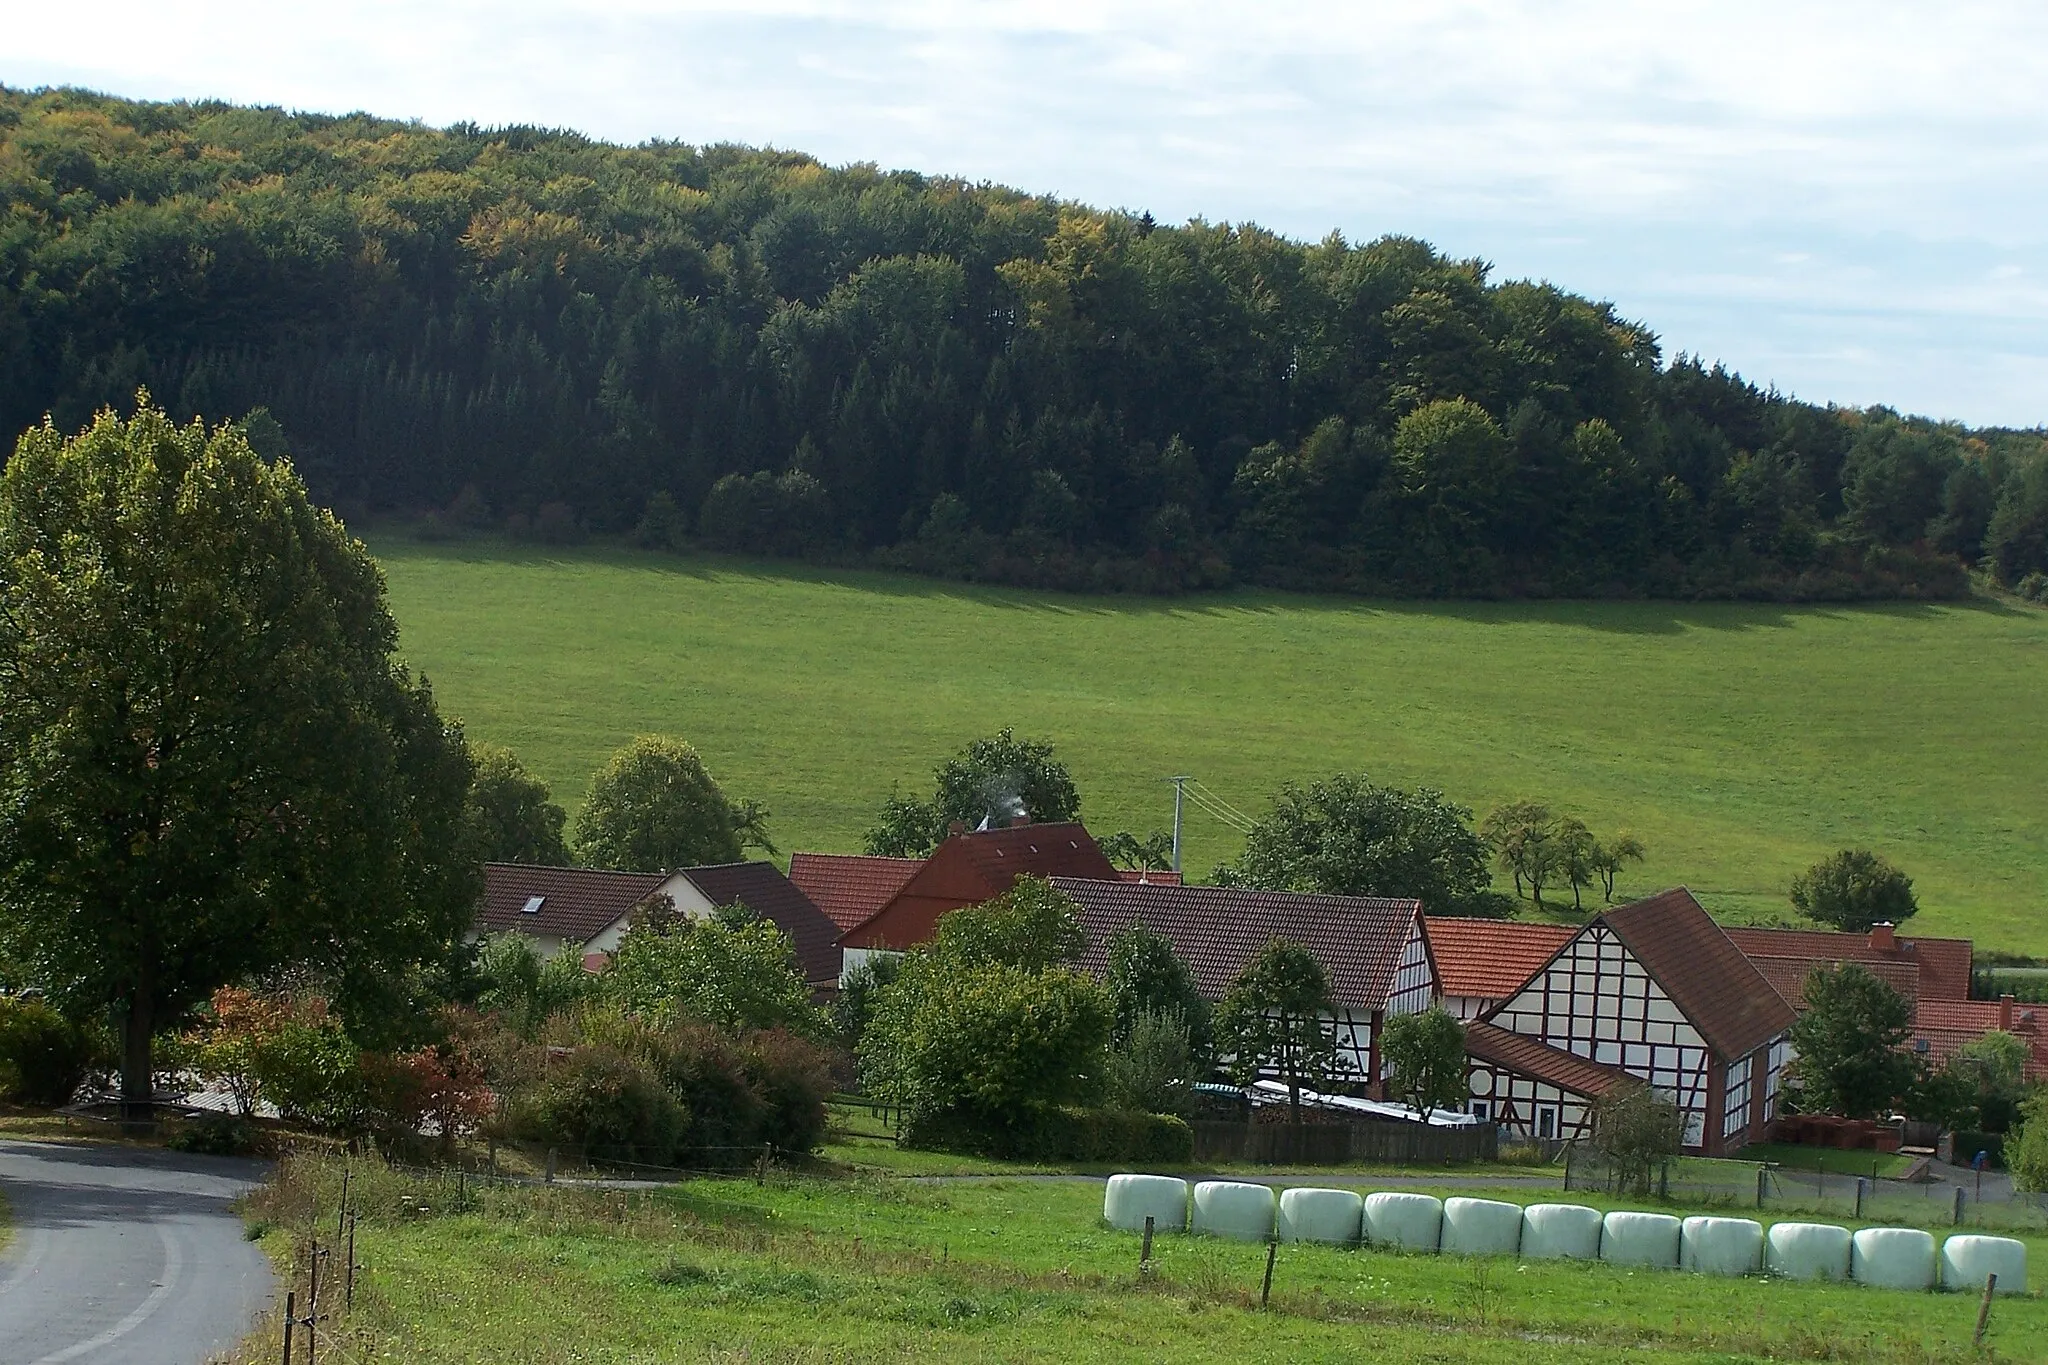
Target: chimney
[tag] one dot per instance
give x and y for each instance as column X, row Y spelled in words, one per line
column 1884, row 938
column 2005, row 1013
column 957, row 828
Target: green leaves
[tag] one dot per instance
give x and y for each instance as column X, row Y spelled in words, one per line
column 736, row 974
column 1343, row 835
column 991, row 781
column 1854, row 890
column 1850, row 1042
column 1427, row 1053
column 1278, row 1018
column 653, row 807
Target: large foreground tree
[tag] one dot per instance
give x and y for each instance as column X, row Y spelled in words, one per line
column 211, row 766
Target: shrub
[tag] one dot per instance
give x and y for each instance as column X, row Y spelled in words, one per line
column 1055, row 1134
column 308, row 1070
column 608, row 1106
column 44, row 1057
column 216, row 1135
column 1149, row 1071
column 763, row 513
column 2034, row 587
column 1633, row 1130
column 793, row 1077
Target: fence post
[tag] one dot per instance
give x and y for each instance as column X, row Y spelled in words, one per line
column 1145, row 1251
column 1760, row 1174
column 549, row 1174
column 767, row 1154
column 1984, row 1308
column 1664, row 1179
column 1956, row 1217
column 313, row 1305
column 1859, row 1197
column 342, row 1211
column 1266, row 1289
column 349, row 1293
column 290, row 1325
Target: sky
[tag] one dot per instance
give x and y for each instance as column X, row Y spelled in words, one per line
column 1848, row 202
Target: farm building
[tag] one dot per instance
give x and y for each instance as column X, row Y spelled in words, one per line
column 1917, row 968
column 850, row 887
column 969, row 868
column 1481, row 962
column 1376, row 951
column 588, row 909
column 1654, row 991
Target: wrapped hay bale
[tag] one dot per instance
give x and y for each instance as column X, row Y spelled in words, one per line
column 1227, row 1208
column 1649, row 1239
column 1893, row 1258
column 1481, row 1227
column 1721, row 1246
column 1966, row 1259
column 1312, row 1215
column 1571, row 1231
column 1410, row 1222
column 1807, row 1251
column 1131, row 1199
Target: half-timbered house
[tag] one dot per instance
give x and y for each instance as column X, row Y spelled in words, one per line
column 1653, row 991
column 1375, row 951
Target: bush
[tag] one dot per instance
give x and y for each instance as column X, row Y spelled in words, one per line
column 763, row 513
column 2034, row 587
column 608, row 1106
column 793, row 1078
column 1056, row 1134
column 216, row 1135
column 308, row 1070
column 44, row 1057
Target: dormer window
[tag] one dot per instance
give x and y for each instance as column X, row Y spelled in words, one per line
column 533, row 905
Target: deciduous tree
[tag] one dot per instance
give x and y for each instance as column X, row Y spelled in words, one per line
column 517, row 821
column 991, row 782
column 211, row 763
column 1427, row 1053
column 1850, row 1043
column 1146, row 977
column 1854, row 890
column 1278, row 1017
column 1345, row 836
column 736, row 973
column 654, row 807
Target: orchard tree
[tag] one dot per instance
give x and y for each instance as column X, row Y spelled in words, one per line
column 989, row 783
column 732, row 970
column 1146, row 977
column 1611, row 855
column 1278, row 1017
column 1854, row 890
column 517, row 820
column 1850, row 1043
column 1427, row 1053
column 211, row 765
column 1345, row 836
column 653, row 808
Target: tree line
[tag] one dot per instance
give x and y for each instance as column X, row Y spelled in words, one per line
column 527, row 331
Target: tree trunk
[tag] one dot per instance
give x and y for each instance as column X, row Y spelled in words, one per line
column 1577, row 909
column 138, row 1071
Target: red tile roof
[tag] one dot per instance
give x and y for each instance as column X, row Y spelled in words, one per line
column 1944, row 963
column 849, row 887
column 769, row 894
column 1788, row 975
column 1156, row 876
column 1490, row 959
column 1727, row 999
column 1526, row 1056
column 576, row 902
column 1218, row 930
column 968, row 869
column 1947, row 1026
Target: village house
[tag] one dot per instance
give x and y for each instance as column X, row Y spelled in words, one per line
column 1652, row 992
column 1481, row 962
column 1376, row 952
column 589, row 909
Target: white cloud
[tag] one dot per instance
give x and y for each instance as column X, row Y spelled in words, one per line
column 1754, row 180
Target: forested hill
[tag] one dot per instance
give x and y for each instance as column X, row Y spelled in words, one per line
column 528, row 329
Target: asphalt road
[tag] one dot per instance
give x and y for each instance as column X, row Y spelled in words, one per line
column 124, row 1256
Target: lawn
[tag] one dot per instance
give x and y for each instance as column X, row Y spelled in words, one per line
column 1741, row 742
column 807, row 1270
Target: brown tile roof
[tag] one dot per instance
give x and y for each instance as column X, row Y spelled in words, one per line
column 576, row 902
column 1156, row 876
column 849, row 887
column 1537, row 1060
column 1945, row 1027
column 1491, row 958
column 1727, row 999
column 1944, row 963
column 968, row 869
column 1788, row 975
column 769, row 894
column 1218, row 930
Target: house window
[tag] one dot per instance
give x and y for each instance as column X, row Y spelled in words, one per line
column 1481, row 1109
column 533, row 905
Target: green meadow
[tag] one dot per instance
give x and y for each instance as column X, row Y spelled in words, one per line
column 1740, row 741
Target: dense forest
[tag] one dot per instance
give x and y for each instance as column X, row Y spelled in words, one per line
column 529, row 331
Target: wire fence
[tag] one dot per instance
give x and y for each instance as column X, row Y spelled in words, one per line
column 1927, row 1202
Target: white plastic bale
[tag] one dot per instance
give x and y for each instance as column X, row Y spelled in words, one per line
column 1648, row 1239
column 1410, row 1222
column 1481, row 1227
column 1228, row 1208
column 1807, row 1251
column 1571, row 1231
column 1131, row 1199
column 1313, row 1215
column 1966, row 1259
column 1721, row 1246
column 1893, row 1258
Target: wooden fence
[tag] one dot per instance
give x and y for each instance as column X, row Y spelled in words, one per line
column 1343, row 1144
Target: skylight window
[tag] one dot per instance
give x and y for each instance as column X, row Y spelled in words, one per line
column 532, row 906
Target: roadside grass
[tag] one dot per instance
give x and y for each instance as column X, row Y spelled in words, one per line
column 1740, row 741
column 1833, row 1160
column 817, row 1270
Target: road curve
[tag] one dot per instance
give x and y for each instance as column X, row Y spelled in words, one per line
column 125, row 1256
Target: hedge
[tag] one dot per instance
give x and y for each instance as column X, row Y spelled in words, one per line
column 1055, row 1134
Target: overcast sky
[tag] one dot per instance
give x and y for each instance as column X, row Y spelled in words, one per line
column 1849, row 201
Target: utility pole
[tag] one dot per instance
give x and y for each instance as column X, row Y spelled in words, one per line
column 1180, row 787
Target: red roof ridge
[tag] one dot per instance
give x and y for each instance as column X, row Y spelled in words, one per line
column 1731, row 1003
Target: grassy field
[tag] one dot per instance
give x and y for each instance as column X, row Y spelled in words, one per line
column 1741, row 742
column 863, row 1270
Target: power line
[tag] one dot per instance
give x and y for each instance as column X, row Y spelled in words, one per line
column 1221, row 802
column 1235, row 819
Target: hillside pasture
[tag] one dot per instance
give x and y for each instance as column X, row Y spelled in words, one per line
column 1740, row 741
